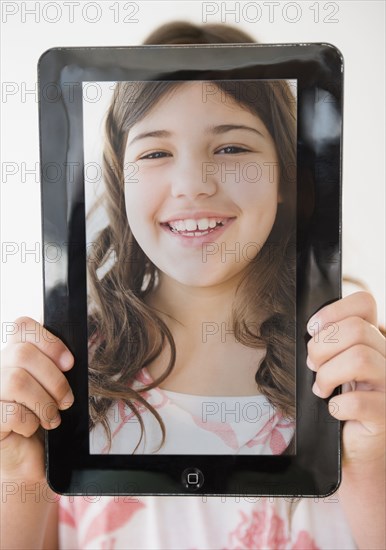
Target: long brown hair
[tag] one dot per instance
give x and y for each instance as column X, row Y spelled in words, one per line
column 130, row 333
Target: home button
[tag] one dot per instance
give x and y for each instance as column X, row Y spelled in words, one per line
column 192, row 479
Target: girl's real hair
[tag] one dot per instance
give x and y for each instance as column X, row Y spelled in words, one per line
column 127, row 333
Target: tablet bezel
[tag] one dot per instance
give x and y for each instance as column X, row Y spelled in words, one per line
column 315, row 470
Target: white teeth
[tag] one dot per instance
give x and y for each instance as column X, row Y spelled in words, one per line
column 190, row 224
column 203, row 223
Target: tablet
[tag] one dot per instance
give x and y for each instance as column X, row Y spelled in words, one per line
column 191, row 223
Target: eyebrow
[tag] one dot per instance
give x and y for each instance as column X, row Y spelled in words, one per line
column 215, row 130
column 222, row 128
column 154, row 133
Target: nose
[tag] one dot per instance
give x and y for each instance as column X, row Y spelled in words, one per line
column 192, row 178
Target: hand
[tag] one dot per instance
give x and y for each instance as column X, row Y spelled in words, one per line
column 347, row 347
column 33, row 389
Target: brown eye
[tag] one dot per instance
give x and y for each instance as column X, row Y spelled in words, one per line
column 155, row 155
column 232, row 150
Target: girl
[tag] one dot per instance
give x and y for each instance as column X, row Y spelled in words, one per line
column 353, row 518
column 193, row 236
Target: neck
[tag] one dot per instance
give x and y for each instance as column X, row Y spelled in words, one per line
column 207, row 352
column 190, row 307
column 195, row 312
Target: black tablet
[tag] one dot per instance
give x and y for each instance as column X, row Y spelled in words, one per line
column 191, row 204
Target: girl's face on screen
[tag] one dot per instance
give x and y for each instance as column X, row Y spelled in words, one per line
column 201, row 184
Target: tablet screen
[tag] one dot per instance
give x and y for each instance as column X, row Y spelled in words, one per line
column 190, row 195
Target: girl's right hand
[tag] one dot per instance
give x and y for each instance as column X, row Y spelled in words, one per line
column 33, row 390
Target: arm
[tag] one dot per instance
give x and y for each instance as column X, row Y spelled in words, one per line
column 28, row 517
column 359, row 356
column 362, row 494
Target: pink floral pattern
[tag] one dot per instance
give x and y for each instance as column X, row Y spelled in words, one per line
column 304, row 542
column 187, row 523
column 112, row 515
column 183, row 418
column 223, row 430
column 261, row 529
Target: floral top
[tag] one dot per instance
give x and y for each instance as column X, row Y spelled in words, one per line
column 207, row 523
column 195, row 424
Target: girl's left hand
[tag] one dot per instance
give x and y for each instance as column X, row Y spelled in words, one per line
column 347, row 347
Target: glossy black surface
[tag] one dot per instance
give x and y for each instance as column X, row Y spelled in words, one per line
column 318, row 68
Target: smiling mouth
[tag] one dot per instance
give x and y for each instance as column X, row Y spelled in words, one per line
column 195, row 228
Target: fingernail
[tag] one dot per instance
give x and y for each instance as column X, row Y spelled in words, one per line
column 67, row 401
column 54, row 423
column 316, row 390
column 310, row 364
column 66, row 359
column 314, row 320
column 52, row 416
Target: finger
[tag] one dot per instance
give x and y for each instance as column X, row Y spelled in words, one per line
column 20, row 387
column 360, row 304
column 26, row 356
column 25, row 329
column 364, row 406
column 15, row 417
column 335, row 338
column 359, row 363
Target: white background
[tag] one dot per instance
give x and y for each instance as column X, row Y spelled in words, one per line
column 355, row 27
